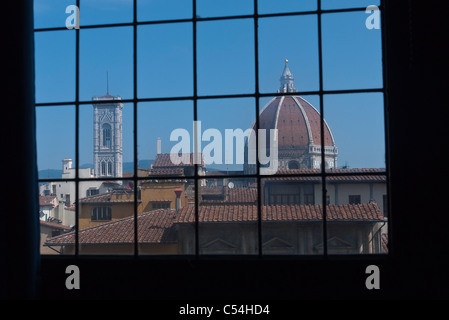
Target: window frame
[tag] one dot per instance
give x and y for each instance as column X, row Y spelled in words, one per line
column 195, row 97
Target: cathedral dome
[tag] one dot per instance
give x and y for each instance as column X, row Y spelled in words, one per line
column 298, row 126
column 297, row 122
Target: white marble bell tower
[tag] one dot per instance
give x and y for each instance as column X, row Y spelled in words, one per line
column 108, row 150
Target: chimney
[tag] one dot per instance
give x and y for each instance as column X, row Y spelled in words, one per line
column 159, row 146
column 178, row 192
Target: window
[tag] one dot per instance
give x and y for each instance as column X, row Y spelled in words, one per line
column 354, row 199
column 160, row 205
column 184, row 73
column 101, row 213
column 109, row 168
column 293, row 165
column 106, row 135
column 91, row 192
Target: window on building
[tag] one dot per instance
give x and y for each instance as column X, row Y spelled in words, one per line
column 109, row 168
column 106, row 135
column 160, row 205
column 101, row 213
column 354, row 199
column 103, row 168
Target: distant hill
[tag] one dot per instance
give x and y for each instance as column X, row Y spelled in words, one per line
column 50, row 174
column 127, row 167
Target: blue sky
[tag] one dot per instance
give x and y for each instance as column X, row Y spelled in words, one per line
column 351, row 60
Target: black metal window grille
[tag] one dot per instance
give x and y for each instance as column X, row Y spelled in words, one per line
column 323, row 174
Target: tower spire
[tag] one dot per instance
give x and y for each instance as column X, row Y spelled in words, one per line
column 287, row 80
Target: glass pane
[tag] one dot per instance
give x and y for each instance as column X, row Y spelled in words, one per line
column 106, row 139
column 55, row 138
column 225, row 57
column 290, row 42
column 343, row 4
column 357, row 124
column 106, row 217
column 57, row 217
column 102, row 11
column 55, row 66
column 356, row 212
column 290, row 135
column 51, row 13
column 164, row 204
column 165, row 136
column 106, row 62
column 225, row 126
column 292, row 220
column 228, row 216
column 269, row 6
column 352, row 53
column 163, row 10
column 165, row 61
column 217, row 8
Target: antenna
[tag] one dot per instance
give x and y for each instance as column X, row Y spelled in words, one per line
column 107, row 82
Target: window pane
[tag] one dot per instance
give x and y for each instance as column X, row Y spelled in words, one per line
column 106, row 139
column 225, row 125
column 50, row 13
column 103, row 11
column 292, row 220
column 228, row 216
column 342, row 4
column 269, row 6
column 106, row 62
column 165, row 62
column 106, row 217
column 356, row 221
column 357, row 125
column 217, row 8
column 290, row 135
column 163, row 202
column 55, row 66
column 57, row 217
column 55, row 138
column 352, row 53
column 165, row 129
column 294, row 39
column 225, row 57
column 163, row 10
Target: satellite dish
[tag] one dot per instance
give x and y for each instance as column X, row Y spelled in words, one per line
column 231, row 185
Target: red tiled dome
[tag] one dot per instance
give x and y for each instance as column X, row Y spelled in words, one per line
column 297, row 121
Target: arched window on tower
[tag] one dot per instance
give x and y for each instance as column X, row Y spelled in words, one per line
column 109, row 168
column 293, row 165
column 106, row 135
column 103, row 168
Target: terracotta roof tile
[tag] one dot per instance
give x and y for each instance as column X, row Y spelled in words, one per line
column 350, row 175
column 166, row 171
column 157, row 226
column 163, row 160
column 153, row 227
column 48, row 200
column 106, row 197
column 231, row 213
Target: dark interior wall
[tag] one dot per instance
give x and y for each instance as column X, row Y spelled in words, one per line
column 417, row 117
column 19, row 237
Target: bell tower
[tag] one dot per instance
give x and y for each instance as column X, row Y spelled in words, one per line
column 108, row 150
